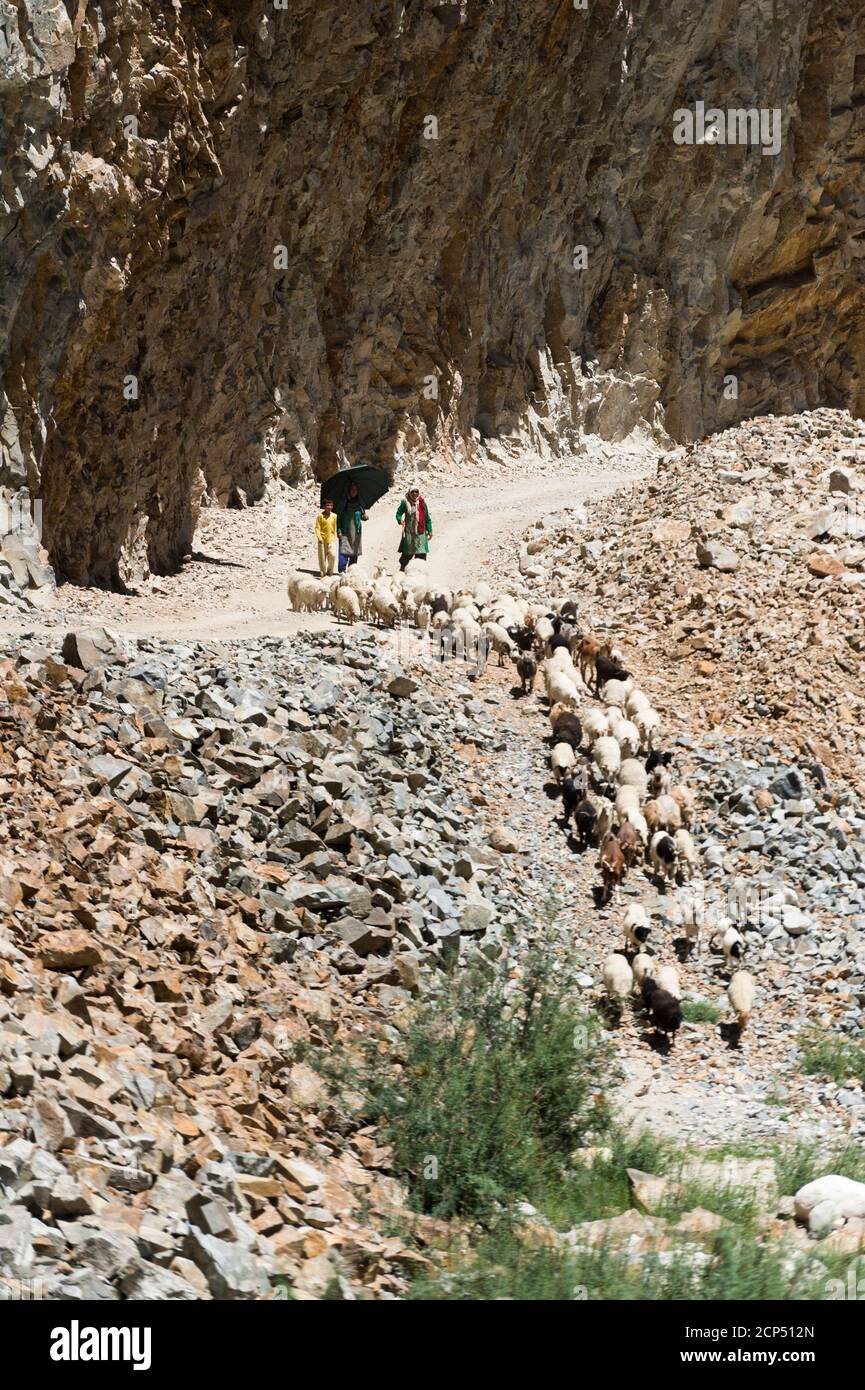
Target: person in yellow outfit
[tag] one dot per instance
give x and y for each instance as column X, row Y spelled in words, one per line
column 325, row 534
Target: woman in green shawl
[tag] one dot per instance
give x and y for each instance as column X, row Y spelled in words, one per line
column 414, row 518
column 349, row 526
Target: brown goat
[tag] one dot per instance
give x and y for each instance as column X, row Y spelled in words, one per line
column 527, row 670
column 632, row 845
column 686, row 802
column 611, row 863
column 587, row 655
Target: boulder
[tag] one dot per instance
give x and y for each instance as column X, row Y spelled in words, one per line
column 504, row 840
column 825, row 566
column 714, row 555
column 671, row 531
column 16, row 1242
column 68, row 950
column 88, row 648
column 826, row 1199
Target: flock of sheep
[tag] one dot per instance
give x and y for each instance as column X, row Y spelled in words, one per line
column 617, row 788
column 621, row 795
column 379, row 598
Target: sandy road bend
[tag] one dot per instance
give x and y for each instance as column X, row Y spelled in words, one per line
column 239, row 590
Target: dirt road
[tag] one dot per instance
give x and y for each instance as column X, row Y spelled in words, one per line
column 234, row 585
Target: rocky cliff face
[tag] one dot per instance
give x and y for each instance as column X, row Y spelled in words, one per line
column 240, row 239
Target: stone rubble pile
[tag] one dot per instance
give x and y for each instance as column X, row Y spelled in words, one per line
column 798, row 865
column 221, row 861
column 213, row 859
column 737, row 578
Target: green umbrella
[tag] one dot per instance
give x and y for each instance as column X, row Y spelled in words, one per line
column 372, row 483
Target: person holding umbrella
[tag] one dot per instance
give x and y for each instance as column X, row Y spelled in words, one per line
column 416, row 522
column 349, row 525
column 352, row 492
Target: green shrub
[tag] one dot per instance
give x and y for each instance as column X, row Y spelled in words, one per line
column 841, row 1059
column 700, row 1011
column 493, row 1087
column 732, row 1266
column 803, row 1162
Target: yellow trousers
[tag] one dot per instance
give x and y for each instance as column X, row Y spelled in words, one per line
column 327, row 557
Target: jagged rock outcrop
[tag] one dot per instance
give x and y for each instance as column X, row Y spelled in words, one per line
column 234, row 243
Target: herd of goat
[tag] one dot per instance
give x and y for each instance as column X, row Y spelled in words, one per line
column 618, row 789
column 622, row 797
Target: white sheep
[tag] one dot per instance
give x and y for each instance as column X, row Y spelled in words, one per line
column 636, row 818
column 422, row 616
column 506, row 610
column 560, row 673
column 356, row 578
column 307, row 595
column 627, row 736
column 627, row 799
column 595, row 724
column 561, row 691
column 419, row 586
column 346, row 604
column 669, row 816
column 562, row 758
column 466, row 624
column 560, row 661
column 294, row 582
column 605, row 752
column 686, row 851
column 614, row 716
column 740, row 992
column 668, row 978
column 618, row 977
column 544, row 632
column 636, row 701
column 648, row 721
column 385, row 608
column 616, row 692
column 633, row 774
column 642, row 965
column 407, row 605
column 606, row 817
column 691, row 911
column 465, row 613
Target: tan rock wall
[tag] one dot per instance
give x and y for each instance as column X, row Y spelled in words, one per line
column 154, row 340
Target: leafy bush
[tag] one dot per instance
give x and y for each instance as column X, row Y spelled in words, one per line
column 700, row 1011
column 803, row 1162
column 731, row 1266
column 841, row 1059
column 494, row 1085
